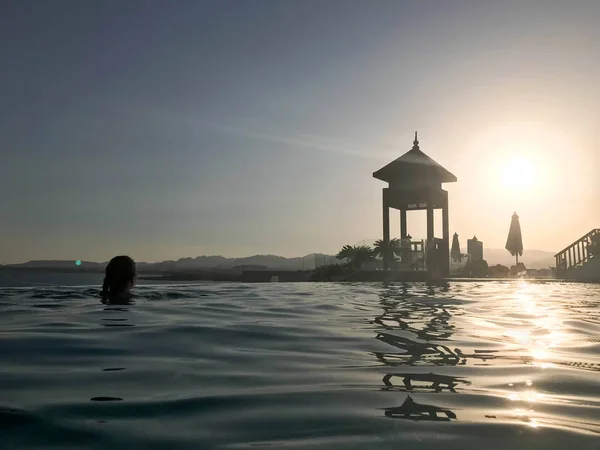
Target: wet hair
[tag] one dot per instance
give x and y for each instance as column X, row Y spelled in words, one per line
column 120, row 271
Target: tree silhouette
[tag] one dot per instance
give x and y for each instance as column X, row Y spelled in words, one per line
column 356, row 255
column 392, row 249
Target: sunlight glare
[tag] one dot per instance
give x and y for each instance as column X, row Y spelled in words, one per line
column 519, row 168
column 518, row 173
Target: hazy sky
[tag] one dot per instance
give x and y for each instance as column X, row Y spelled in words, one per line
column 169, row 129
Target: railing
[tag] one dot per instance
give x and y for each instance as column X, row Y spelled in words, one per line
column 575, row 254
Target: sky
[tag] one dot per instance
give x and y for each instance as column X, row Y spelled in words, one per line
column 174, row 129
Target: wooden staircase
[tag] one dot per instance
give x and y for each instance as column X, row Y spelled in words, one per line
column 575, row 255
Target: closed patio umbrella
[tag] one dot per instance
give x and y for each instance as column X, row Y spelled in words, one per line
column 455, row 250
column 514, row 243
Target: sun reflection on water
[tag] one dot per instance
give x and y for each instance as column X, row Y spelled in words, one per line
column 526, row 396
column 517, row 349
column 538, row 328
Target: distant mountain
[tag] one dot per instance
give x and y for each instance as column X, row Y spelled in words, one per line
column 58, row 264
column 307, row 262
column 534, row 259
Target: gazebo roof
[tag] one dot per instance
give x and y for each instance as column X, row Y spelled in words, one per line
column 412, row 165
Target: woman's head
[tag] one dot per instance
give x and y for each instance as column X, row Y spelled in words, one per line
column 120, row 276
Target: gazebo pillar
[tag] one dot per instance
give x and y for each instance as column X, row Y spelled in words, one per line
column 430, row 231
column 386, row 228
column 403, row 228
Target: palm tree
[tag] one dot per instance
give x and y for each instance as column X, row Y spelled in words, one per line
column 345, row 253
column 356, row 255
column 394, row 248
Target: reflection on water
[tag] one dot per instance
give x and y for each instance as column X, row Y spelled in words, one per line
column 498, row 365
column 106, row 399
column 415, row 411
column 523, row 329
column 438, row 382
column 415, row 353
column 404, row 324
column 117, row 314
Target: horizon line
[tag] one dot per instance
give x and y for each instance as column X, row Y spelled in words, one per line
column 308, row 255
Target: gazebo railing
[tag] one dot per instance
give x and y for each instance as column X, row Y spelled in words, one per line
column 575, row 254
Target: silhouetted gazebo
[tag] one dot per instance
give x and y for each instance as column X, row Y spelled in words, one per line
column 415, row 183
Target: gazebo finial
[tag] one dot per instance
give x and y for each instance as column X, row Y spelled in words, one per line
column 416, row 141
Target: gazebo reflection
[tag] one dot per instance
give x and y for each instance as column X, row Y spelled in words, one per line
column 417, row 322
column 415, row 411
column 438, row 382
column 410, row 312
column 416, row 353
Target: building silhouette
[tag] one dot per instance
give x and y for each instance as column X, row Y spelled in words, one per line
column 475, row 249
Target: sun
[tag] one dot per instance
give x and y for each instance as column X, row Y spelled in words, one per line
column 518, row 173
column 517, row 162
